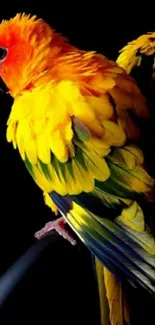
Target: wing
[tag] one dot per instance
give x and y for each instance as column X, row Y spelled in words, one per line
column 138, row 59
column 65, row 129
column 133, row 53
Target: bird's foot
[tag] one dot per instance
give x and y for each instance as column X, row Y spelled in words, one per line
column 59, row 226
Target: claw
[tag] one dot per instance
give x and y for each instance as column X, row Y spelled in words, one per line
column 59, row 226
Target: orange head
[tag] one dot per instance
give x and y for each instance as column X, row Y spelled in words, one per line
column 27, row 47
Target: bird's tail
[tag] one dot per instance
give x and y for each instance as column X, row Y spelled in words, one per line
column 127, row 253
column 104, row 306
column 114, row 308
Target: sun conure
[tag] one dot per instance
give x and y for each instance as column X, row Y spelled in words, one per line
column 73, row 121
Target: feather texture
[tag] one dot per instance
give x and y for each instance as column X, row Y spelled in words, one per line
column 119, row 313
column 131, row 54
column 110, row 244
column 104, row 306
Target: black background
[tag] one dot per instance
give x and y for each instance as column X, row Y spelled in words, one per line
column 60, row 287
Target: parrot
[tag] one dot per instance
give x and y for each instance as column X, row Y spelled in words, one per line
column 73, row 121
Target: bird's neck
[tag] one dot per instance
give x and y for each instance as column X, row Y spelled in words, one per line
column 48, row 72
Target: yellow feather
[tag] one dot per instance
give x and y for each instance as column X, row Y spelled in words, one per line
column 133, row 217
column 21, row 107
column 11, row 133
column 98, row 167
column 38, row 126
column 113, row 303
column 116, row 298
column 128, row 125
column 43, row 150
column 56, row 183
column 58, row 146
column 114, row 69
column 103, row 82
column 129, row 154
column 114, row 134
column 104, row 306
column 122, row 99
column 68, row 132
column 142, row 181
column 101, row 106
column 49, row 202
column 40, row 101
column 79, row 182
column 85, row 180
column 137, row 178
column 130, row 55
column 70, row 184
column 78, row 106
column 20, row 142
column 44, row 183
column 98, row 146
column 136, row 152
column 84, row 112
column 29, row 142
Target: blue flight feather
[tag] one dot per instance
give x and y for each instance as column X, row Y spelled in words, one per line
column 110, row 243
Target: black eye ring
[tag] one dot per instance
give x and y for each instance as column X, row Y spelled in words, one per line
column 3, row 54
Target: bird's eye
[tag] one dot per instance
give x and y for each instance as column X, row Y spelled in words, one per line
column 3, row 54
